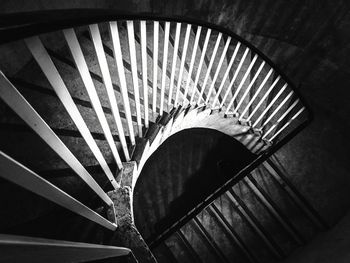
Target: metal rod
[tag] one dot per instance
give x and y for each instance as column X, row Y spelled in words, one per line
column 201, row 60
column 173, row 65
column 293, row 193
column 264, row 97
column 288, row 123
column 188, row 246
column 242, row 83
column 143, row 30
column 79, row 60
column 204, row 233
column 212, row 59
column 232, row 233
column 290, row 94
column 32, row 249
column 121, row 73
column 193, row 58
column 233, row 57
column 97, row 41
column 18, row 174
column 132, row 51
column 282, row 117
column 273, row 209
column 218, row 68
column 254, row 224
column 164, row 66
column 256, row 93
column 182, row 64
column 257, row 73
column 270, row 105
column 155, row 66
column 50, row 71
column 235, row 76
column 10, row 95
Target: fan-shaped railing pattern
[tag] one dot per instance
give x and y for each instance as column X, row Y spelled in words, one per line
column 141, row 71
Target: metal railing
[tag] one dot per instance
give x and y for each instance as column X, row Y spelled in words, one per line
column 225, row 72
column 49, row 250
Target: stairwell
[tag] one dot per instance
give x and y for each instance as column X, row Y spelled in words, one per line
column 114, row 103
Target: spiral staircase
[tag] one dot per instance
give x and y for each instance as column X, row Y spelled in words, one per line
column 84, row 109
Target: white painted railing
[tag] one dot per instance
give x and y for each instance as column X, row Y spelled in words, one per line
column 33, row 249
column 197, row 65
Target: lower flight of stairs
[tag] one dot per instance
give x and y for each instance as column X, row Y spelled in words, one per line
column 261, row 219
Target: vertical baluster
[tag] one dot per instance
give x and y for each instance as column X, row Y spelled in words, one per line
column 227, row 72
column 212, row 59
column 50, row 71
column 132, row 50
column 270, row 105
column 242, row 83
column 144, row 70
column 234, row 76
column 10, row 95
column 287, row 124
column 97, row 41
column 281, row 118
column 155, row 66
column 200, row 65
column 264, row 97
column 17, row 173
column 173, row 65
column 82, row 67
column 193, row 58
column 121, row 73
column 256, row 94
column 182, row 64
column 164, row 66
column 223, row 56
column 257, row 73
column 290, row 94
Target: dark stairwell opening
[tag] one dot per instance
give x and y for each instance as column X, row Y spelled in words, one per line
column 188, row 167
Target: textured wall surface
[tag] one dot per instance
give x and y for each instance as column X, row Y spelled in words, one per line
column 332, row 246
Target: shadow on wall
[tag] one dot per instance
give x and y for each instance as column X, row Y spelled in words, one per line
column 183, row 172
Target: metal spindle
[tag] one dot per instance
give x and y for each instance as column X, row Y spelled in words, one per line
column 11, row 96
column 287, row 124
column 256, row 94
column 290, row 94
column 233, row 57
column 193, row 58
column 164, row 66
column 97, row 41
column 249, row 87
column 229, row 89
column 144, row 70
column 18, row 174
column 173, row 65
column 83, row 69
column 221, row 60
column 281, row 118
column 212, row 59
column 132, row 51
column 263, row 98
column 200, row 65
column 270, row 104
column 242, row 83
column 121, row 73
column 182, row 64
column 155, row 66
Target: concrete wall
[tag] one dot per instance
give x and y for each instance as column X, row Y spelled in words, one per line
column 330, row 247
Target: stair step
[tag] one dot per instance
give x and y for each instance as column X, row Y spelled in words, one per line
column 139, row 149
column 152, row 132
